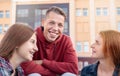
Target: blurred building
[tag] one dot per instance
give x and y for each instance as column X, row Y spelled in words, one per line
column 85, row 18
column 5, row 16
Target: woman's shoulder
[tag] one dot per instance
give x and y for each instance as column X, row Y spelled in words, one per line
column 4, row 63
column 4, row 67
column 20, row 71
column 90, row 68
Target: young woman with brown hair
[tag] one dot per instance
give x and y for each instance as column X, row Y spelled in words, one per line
column 18, row 45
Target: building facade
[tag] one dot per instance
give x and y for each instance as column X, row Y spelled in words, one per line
column 5, row 16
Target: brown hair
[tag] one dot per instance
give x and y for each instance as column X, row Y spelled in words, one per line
column 56, row 10
column 16, row 35
column 111, row 39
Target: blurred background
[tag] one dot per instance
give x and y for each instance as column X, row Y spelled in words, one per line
column 85, row 18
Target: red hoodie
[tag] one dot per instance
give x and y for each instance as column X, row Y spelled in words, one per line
column 58, row 57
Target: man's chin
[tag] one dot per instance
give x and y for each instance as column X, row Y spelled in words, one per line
column 51, row 40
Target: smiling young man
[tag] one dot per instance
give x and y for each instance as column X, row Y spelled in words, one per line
column 56, row 55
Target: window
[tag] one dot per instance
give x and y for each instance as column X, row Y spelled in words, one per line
column 79, row 46
column 65, row 10
column 82, row 46
column 7, row 14
column 78, row 12
column 118, row 10
column 6, row 27
column 37, row 12
column 118, row 26
column 86, row 46
column 80, row 65
column 36, row 24
column 105, row 11
column 85, row 63
column 1, row 14
column 1, row 28
column 85, row 11
column 44, row 13
column 66, row 27
column 22, row 13
column 34, row 14
column 98, row 11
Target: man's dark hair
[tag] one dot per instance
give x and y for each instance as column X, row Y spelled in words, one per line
column 57, row 10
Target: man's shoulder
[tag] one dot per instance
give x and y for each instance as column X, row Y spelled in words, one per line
column 38, row 29
column 63, row 39
column 65, row 36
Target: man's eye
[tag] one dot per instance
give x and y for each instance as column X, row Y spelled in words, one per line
column 97, row 43
column 33, row 41
column 52, row 23
column 60, row 25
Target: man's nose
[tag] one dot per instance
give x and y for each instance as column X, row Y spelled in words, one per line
column 35, row 48
column 56, row 27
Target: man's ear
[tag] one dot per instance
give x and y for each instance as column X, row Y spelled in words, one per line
column 16, row 48
column 43, row 21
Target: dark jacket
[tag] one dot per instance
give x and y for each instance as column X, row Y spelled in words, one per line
column 91, row 70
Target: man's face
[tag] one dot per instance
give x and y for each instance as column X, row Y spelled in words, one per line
column 53, row 26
